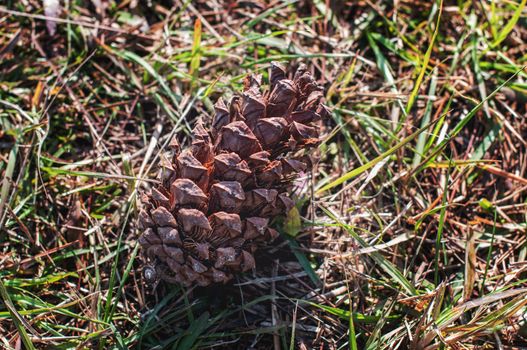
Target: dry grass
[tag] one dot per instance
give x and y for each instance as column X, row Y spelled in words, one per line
column 413, row 221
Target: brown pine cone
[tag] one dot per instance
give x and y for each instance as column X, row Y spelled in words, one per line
column 215, row 203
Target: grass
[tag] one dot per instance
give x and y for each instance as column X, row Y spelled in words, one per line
column 410, row 235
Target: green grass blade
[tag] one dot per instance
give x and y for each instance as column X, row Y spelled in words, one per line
column 352, row 335
column 269, row 12
column 345, row 315
column 351, row 174
column 302, row 260
column 6, row 183
column 130, row 56
column 385, row 69
column 426, row 60
column 421, row 140
column 18, row 320
column 124, row 278
column 463, row 122
column 510, row 24
column 188, row 341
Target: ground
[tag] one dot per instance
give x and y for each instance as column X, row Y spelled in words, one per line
column 412, row 223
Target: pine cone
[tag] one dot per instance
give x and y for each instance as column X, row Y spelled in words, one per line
column 215, row 202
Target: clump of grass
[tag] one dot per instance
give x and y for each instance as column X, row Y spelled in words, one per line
column 413, row 222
